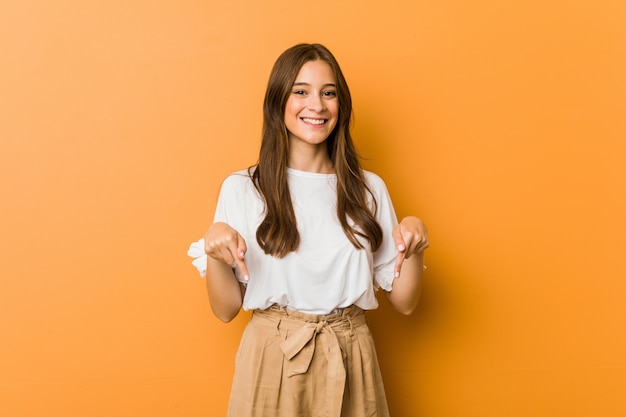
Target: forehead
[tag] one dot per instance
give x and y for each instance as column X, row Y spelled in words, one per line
column 316, row 72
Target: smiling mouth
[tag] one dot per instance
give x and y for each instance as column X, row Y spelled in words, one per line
column 314, row 121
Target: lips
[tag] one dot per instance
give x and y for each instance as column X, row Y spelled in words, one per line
column 313, row 121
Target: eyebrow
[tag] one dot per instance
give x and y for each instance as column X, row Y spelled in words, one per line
column 307, row 84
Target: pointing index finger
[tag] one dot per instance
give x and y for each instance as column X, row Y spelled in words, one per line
column 398, row 265
column 401, row 246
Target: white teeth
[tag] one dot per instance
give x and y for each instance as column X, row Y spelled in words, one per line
column 314, row 121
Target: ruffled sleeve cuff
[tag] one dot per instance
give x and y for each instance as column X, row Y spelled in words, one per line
column 196, row 251
column 383, row 276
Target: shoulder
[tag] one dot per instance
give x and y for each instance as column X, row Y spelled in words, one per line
column 374, row 181
column 238, row 178
column 377, row 188
column 238, row 183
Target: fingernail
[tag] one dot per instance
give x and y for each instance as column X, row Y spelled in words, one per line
column 400, row 247
column 397, row 274
column 241, row 254
column 246, row 278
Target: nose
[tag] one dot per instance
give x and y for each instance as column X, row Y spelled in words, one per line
column 316, row 103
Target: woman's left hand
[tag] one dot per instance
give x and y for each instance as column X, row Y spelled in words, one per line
column 411, row 237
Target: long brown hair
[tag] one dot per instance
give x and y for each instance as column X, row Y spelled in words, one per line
column 278, row 234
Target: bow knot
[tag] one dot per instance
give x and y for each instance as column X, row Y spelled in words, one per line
column 299, row 348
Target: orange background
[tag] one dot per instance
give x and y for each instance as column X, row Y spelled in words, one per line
column 501, row 124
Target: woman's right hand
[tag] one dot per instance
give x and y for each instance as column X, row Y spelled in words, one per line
column 225, row 244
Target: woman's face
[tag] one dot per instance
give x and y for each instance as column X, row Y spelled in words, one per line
column 312, row 108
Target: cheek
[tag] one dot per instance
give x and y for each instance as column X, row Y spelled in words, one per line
column 333, row 107
column 291, row 108
column 335, row 112
column 290, row 115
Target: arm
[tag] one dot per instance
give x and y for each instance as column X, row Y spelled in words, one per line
column 407, row 288
column 411, row 238
column 225, row 247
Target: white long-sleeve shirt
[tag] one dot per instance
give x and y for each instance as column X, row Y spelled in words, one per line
column 326, row 272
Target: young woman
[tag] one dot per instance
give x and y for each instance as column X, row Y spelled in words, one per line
column 304, row 239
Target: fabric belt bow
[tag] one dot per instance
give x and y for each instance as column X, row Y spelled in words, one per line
column 299, row 349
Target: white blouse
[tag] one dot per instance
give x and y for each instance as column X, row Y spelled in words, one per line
column 326, row 272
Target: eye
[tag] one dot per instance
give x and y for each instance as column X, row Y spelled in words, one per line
column 299, row 92
column 330, row 93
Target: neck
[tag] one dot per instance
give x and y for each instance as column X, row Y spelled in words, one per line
column 311, row 160
column 317, row 169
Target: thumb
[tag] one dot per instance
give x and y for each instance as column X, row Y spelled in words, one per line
column 398, row 238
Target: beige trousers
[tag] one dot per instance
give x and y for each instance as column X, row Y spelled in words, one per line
column 291, row 364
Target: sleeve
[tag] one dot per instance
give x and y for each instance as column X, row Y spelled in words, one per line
column 227, row 201
column 385, row 256
column 196, row 251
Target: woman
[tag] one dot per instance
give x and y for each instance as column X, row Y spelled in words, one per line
column 304, row 239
